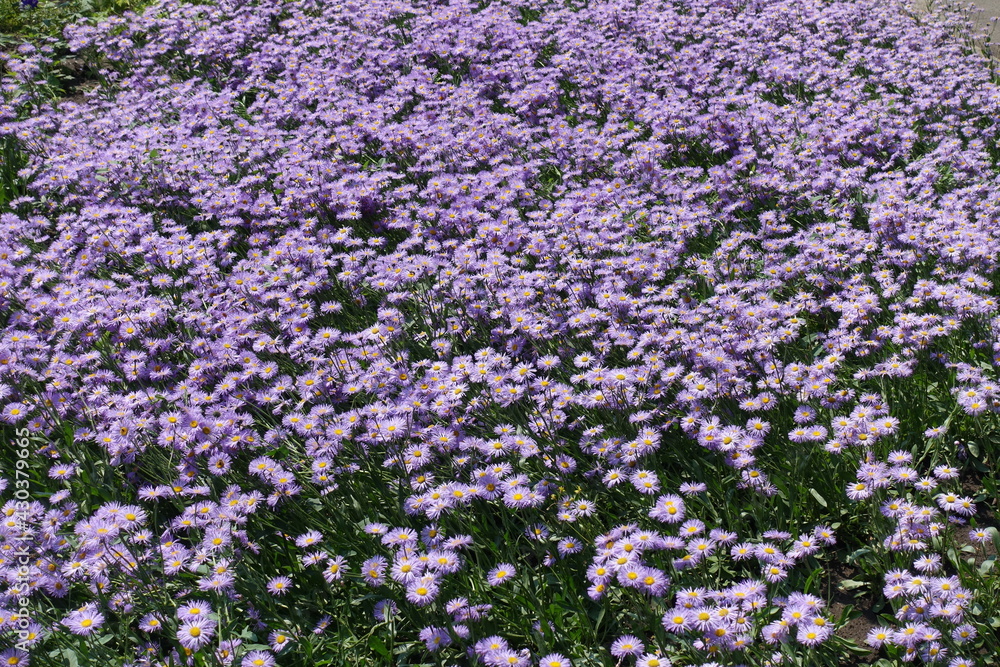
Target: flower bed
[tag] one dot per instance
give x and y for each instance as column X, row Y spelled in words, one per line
column 577, row 332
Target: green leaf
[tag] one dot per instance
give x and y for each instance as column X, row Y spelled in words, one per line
column 855, row 556
column 820, row 499
column 69, row 657
column 851, row 584
column 376, row 644
column 987, row 565
column 973, row 448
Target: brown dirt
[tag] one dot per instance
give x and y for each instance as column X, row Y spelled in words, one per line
column 862, row 599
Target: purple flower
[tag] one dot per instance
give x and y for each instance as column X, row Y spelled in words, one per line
column 62, row 471
column 334, row 569
column 258, row 659
column 668, row 509
column 626, row 645
column 84, row 621
column 373, row 570
column 422, row 591
column 554, row 660
column 16, row 657
column 194, row 610
column 435, row 638
column 279, row 586
column 501, row 574
column 195, row 633
column 279, row 640
column 568, row 546
column 151, row 623
column 811, row 635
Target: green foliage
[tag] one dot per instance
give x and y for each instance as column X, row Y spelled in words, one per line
column 19, row 24
column 12, row 160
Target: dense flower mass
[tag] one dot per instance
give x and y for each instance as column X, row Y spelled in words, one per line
column 500, row 333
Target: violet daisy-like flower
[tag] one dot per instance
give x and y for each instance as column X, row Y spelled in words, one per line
column 309, row 539
column 406, row 569
column 858, row 491
column 652, row 660
column 279, row 640
column 501, row 574
column 194, row 609
column 435, row 638
column 809, row 635
column 217, row 582
column 677, row 620
column 776, row 535
column 279, row 585
column 627, row 645
column 691, row 528
column 195, row 633
column 150, row 623
column 373, row 570
column 444, row 561
column 964, row 633
column 84, row 621
column 569, row 546
column 775, row 632
column 226, row 653
column 554, row 660
column 508, row 658
column 322, row 624
column 334, row 569
column 981, row 535
column 16, row 657
column 945, row 472
column 878, row 636
column 490, row 644
column 825, row 535
column 376, row 528
column 653, row 582
column 668, row 509
column 14, row 413
column 614, row 477
column 928, row 563
column 62, row 471
column 423, row 591
column 258, row 659
column 400, row 537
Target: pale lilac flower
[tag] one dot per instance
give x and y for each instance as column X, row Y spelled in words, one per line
column 626, row 645
column 258, row 659
column 554, row 660
column 195, row 609
column 195, row 633
column 435, row 638
column 501, row 574
column 279, row 585
column 84, row 621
